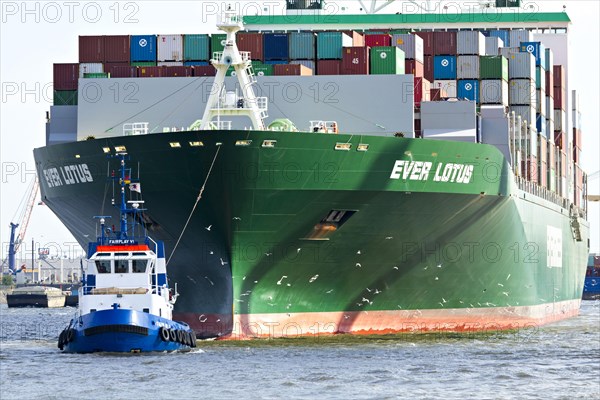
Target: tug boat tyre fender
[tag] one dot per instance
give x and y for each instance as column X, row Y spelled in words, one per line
column 61, row 340
column 172, row 335
column 192, row 336
column 70, row 335
column 180, row 336
column 164, row 334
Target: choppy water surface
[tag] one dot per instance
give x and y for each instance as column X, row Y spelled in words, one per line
column 558, row 361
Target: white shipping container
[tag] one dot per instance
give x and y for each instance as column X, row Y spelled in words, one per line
column 90, row 68
column 550, row 129
column 467, row 67
column 540, row 102
column 492, row 45
column 527, row 114
column 559, row 120
column 447, row 86
column 412, row 45
column 522, row 92
column 170, row 63
column 521, row 65
column 493, row 91
column 470, row 43
column 516, row 36
column 169, row 48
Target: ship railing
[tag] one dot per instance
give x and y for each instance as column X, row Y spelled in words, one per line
column 323, row 126
column 542, row 192
column 135, row 128
column 218, row 55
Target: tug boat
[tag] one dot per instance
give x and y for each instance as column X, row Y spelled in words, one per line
column 125, row 303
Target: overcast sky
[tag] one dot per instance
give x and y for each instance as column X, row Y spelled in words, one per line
column 34, row 35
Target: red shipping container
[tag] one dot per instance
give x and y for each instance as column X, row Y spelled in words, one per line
column 428, row 47
column 122, row 71
column 436, row 94
column 252, row 42
column 204, row 70
column 378, row 40
column 530, row 167
column 65, row 76
column 358, row 40
column 291, row 69
column 177, row 70
column 91, row 49
column 414, row 67
column 329, row 67
column 422, row 89
column 560, row 140
column 355, row 60
column 150, row 72
column 549, row 84
column 560, row 98
column 116, row 48
column 444, row 43
column 576, row 155
column 577, row 138
column 559, row 76
column 418, row 128
column 428, row 68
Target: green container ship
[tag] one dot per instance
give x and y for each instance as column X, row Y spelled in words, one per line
column 275, row 233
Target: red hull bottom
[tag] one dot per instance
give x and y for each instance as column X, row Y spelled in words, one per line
column 472, row 320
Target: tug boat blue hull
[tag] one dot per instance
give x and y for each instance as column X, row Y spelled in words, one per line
column 128, row 331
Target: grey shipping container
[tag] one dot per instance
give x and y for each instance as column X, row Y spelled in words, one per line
column 549, row 107
column 519, row 35
column 470, row 43
column 493, row 91
column 540, row 102
column 492, row 45
column 520, row 65
column 522, row 92
column 307, row 63
column 412, row 45
column 527, row 113
column 467, row 67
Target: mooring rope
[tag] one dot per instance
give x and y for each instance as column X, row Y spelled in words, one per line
column 195, row 204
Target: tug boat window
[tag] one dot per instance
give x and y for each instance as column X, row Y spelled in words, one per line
column 138, row 266
column 121, row 266
column 103, row 266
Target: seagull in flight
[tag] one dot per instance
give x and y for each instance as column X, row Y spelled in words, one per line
column 208, row 227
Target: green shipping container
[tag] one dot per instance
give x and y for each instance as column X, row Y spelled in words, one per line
column 493, row 67
column 196, row 47
column 96, row 75
column 387, row 60
column 217, row 42
column 65, row 97
column 144, row 64
column 540, row 78
column 259, row 69
column 330, row 44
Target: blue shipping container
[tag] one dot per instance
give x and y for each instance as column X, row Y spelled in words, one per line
column 502, row 35
column 302, row 45
column 468, row 89
column 143, row 48
column 191, row 63
column 540, row 124
column 444, row 67
column 275, row 62
column 537, row 49
column 276, row 46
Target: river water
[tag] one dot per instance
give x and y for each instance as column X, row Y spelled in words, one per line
column 557, row 361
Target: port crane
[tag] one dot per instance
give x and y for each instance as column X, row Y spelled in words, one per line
column 26, row 207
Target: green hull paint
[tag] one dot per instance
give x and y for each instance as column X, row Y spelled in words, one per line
column 411, row 244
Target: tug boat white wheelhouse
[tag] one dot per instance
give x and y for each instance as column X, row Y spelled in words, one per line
column 125, row 303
